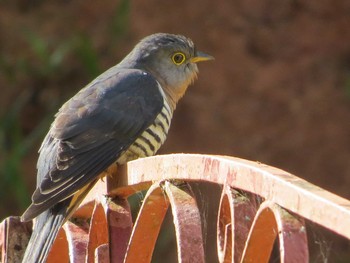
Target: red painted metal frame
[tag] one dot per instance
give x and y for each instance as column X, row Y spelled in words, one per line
column 102, row 229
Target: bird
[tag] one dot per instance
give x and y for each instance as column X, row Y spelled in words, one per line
column 122, row 115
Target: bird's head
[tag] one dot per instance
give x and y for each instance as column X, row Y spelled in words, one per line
column 171, row 59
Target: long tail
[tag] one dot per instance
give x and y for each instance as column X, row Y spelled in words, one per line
column 44, row 233
column 48, row 224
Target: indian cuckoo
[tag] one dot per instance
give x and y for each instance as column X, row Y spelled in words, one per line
column 123, row 114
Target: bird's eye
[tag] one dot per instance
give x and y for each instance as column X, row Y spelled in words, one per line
column 178, row 58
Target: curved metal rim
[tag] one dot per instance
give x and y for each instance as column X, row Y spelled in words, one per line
column 289, row 191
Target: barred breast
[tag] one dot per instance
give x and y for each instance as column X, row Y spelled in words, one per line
column 151, row 139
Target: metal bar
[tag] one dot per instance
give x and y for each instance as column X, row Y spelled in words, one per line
column 59, row 251
column 224, row 229
column 187, row 222
column 290, row 192
column 78, row 237
column 280, row 189
column 261, row 237
column 14, row 237
column 147, row 226
column 235, row 217
column 102, row 254
column 271, row 221
column 98, row 232
column 120, row 226
column 292, row 236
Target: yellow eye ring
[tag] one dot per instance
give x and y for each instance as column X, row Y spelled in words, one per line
column 178, row 58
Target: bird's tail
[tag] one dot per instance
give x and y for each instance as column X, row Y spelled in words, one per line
column 44, row 233
column 48, row 223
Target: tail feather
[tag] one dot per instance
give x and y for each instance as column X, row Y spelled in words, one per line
column 44, row 233
column 48, row 224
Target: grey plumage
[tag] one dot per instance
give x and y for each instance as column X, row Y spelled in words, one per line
column 123, row 114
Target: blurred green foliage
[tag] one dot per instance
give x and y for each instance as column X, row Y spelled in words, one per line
column 121, row 20
column 87, row 54
column 14, row 143
column 13, row 147
column 45, row 63
column 12, row 151
column 49, row 61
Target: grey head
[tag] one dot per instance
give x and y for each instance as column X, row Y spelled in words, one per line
column 171, row 59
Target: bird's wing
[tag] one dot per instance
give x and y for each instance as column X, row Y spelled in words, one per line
column 91, row 131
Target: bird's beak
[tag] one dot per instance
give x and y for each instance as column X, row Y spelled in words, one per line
column 201, row 56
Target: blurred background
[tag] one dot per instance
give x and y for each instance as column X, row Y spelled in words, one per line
column 278, row 91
